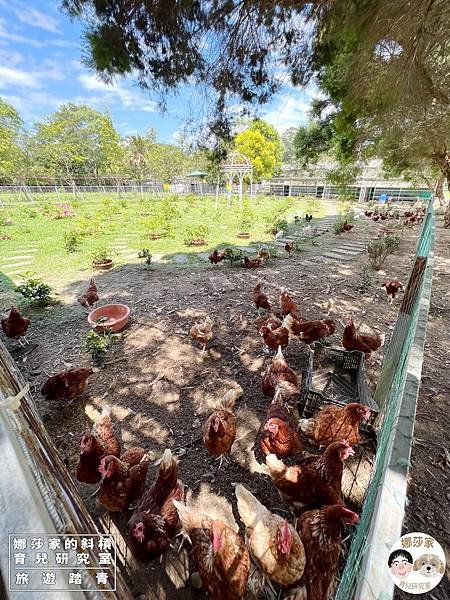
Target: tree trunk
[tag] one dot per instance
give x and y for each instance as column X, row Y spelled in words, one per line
column 447, row 210
column 439, row 189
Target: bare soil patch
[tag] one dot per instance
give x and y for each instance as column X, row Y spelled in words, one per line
column 161, row 387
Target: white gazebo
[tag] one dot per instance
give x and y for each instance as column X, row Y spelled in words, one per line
column 235, row 167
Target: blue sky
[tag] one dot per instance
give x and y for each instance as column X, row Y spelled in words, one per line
column 40, row 69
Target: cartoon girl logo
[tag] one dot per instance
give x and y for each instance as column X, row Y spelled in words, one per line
column 400, row 563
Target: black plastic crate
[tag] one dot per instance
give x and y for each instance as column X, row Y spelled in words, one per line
column 336, row 376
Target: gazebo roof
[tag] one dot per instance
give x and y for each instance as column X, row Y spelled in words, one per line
column 197, row 174
column 236, row 162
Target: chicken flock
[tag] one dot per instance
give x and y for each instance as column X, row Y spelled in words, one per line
column 299, row 553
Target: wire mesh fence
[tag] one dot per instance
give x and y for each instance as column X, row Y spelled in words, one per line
column 388, row 396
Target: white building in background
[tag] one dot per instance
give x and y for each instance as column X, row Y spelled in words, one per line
column 370, row 185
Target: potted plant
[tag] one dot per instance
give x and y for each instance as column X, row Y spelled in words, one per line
column 195, row 235
column 100, row 258
column 158, row 227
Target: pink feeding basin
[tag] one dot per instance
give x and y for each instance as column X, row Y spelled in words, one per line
column 118, row 316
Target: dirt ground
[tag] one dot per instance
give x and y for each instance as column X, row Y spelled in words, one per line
column 161, row 387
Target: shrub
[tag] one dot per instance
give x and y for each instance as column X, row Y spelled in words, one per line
column 233, row 255
column 71, row 240
column 100, row 254
column 90, row 225
column 30, row 213
column 168, row 209
column 195, row 232
column 191, row 199
column 364, row 281
column 312, row 205
column 145, row 254
column 246, row 220
column 392, row 243
column 337, row 227
column 377, row 253
column 49, row 210
column 159, row 225
column 98, row 344
column 34, row 290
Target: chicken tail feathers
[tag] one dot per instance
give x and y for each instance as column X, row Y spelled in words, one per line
column 287, row 322
column 230, row 398
column 189, row 516
column 307, row 426
column 168, row 467
column 106, row 411
column 249, row 507
column 104, row 419
column 276, row 467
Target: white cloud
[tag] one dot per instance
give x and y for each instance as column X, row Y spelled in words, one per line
column 11, row 77
column 36, row 18
column 7, row 35
column 34, row 102
column 289, row 112
column 128, row 97
column 10, row 57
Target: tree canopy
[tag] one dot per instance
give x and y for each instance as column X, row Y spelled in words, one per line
column 383, row 66
column 10, row 133
column 384, row 69
column 76, row 140
column 259, row 150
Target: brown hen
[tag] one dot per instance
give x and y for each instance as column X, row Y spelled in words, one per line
column 310, row 332
column 274, row 544
column 90, row 296
column 315, row 481
column 219, row 553
column 288, row 306
column 216, row 257
column 320, row 531
column 392, row 287
column 279, row 436
column 277, row 372
column 155, row 521
column 335, row 423
column 352, row 340
column 15, row 326
column 219, row 431
column 259, row 298
column 123, row 479
column 95, row 445
column 252, row 263
column 67, row 385
column 274, row 338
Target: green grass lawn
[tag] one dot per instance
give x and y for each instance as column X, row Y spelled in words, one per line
column 105, row 219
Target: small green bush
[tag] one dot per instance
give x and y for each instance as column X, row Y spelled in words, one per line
column 159, row 225
column 195, row 232
column 392, row 243
column 34, row 290
column 145, row 254
column 30, row 213
column 377, row 253
column 233, row 255
column 100, row 254
column 98, row 345
column 364, row 281
column 71, row 240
